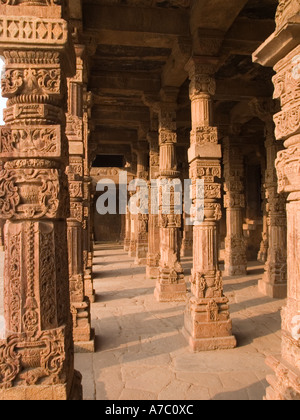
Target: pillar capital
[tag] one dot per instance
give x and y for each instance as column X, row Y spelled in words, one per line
column 201, row 72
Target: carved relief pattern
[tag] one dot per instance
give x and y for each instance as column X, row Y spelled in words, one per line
column 234, row 202
column 30, row 142
column 32, row 30
column 29, row 193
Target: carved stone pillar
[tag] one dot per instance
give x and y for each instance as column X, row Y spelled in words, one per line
column 88, row 245
column 264, row 245
column 234, row 202
column 170, row 285
column 187, row 238
column 127, row 230
column 153, row 257
column 133, row 217
column 141, row 233
column 83, row 335
column 274, row 282
column 282, row 51
column 88, row 200
column 207, row 320
column 36, row 357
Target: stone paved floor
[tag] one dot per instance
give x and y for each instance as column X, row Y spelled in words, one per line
column 141, row 353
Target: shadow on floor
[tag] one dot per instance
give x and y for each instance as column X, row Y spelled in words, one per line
column 255, row 392
column 122, row 334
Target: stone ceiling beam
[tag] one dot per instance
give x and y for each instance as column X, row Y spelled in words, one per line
column 246, row 35
column 135, row 82
column 215, row 14
column 135, row 20
column 239, row 90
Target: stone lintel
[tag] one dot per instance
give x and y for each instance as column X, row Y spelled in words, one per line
column 278, row 45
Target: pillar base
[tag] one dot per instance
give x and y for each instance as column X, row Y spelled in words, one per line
column 170, row 292
column 62, row 392
column 208, row 344
column 207, row 324
column 285, row 384
column 89, row 286
column 274, row 291
column 85, row 346
column 152, row 272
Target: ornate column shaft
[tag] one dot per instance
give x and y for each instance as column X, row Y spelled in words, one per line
column 282, row 51
column 36, row 357
column 83, row 335
column 170, row 285
column 187, row 239
column 127, row 230
column 207, row 320
column 234, row 202
column 274, row 282
column 133, row 217
column 153, row 257
column 88, row 199
column 141, row 233
column 264, row 245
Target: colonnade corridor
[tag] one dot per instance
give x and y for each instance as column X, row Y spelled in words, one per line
column 142, row 355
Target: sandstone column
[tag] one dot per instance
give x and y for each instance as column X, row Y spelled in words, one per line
column 88, row 200
column 274, row 282
column 141, row 233
column 83, row 335
column 36, row 357
column 234, row 202
column 207, row 320
column 133, row 217
column 170, row 285
column 153, row 257
column 127, row 230
column 282, row 51
column 187, row 239
column 264, row 245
